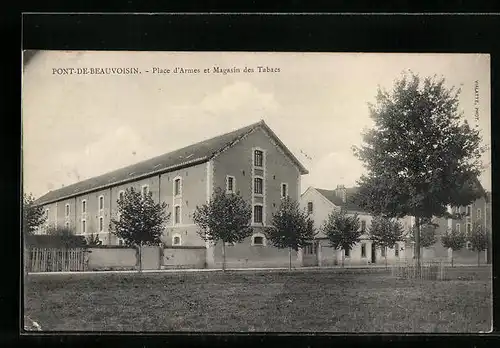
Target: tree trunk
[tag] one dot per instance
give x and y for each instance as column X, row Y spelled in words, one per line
column 417, row 244
column 223, row 256
column 289, row 259
column 343, row 256
column 478, row 258
column 452, row 258
column 385, row 248
column 140, row 257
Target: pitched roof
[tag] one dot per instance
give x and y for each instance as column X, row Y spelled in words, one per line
column 187, row 156
column 349, row 204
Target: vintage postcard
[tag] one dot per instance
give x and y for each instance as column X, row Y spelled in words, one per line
column 256, row 192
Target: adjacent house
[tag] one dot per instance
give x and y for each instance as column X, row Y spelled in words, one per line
column 251, row 160
column 476, row 213
column 319, row 203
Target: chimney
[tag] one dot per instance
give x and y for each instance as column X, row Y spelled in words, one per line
column 340, row 192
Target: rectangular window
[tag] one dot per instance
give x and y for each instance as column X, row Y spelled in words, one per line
column 84, row 206
column 177, row 214
column 177, row 187
column 478, row 213
column 101, row 202
column 396, row 250
column 284, row 190
column 458, row 228
column 257, row 214
column 84, row 226
column 257, row 186
column 101, row 224
column 258, row 240
column 258, row 156
column 67, row 210
column 230, row 184
column 363, row 250
column 469, row 209
column 347, row 252
column 66, row 224
column 469, row 228
column 382, row 251
column 121, row 194
column 363, row 225
column 309, row 207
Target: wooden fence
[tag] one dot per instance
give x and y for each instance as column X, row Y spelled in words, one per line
column 56, row 260
column 428, row 270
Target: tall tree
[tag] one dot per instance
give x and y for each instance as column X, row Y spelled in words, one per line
column 33, row 215
column 454, row 240
column 479, row 239
column 226, row 218
column 290, row 228
column 343, row 230
column 141, row 221
column 385, row 233
column 421, row 155
column 428, row 235
column 65, row 237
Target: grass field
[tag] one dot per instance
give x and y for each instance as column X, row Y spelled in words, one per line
column 324, row 300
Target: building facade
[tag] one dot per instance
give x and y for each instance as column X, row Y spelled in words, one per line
column 466, row 217
column 251, row 160
column 319, row 203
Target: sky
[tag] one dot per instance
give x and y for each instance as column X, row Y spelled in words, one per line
column 79, row 126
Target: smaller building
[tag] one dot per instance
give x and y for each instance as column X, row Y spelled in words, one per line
column 319, row 203
column 466, row 217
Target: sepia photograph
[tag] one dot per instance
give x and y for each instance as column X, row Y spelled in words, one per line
column 256, row 192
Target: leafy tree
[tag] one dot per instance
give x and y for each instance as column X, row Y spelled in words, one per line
column 385, row 233
column 141, row 220
column 427, row 233
column 93, row 240
column 454, row 240
column 226, row 217
column 66, row 237
column 479, row 240
column 343, row 231
column 290, row 228
column 421, row 155
column 33, row 215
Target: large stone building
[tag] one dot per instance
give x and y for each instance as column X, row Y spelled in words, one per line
column 251, row 160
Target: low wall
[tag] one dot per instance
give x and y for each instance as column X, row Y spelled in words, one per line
column 245, row 255
column 184, row 257
column 112, row 258
column 468, row 257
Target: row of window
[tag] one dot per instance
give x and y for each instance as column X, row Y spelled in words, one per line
column 456, row 210
column 258, row 186
column 144, row 191
column 468, row 227
column 468, row 211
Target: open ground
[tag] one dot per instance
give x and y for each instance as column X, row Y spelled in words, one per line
column 328, row 300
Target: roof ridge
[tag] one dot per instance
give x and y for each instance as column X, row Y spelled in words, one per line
column 201, row 151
